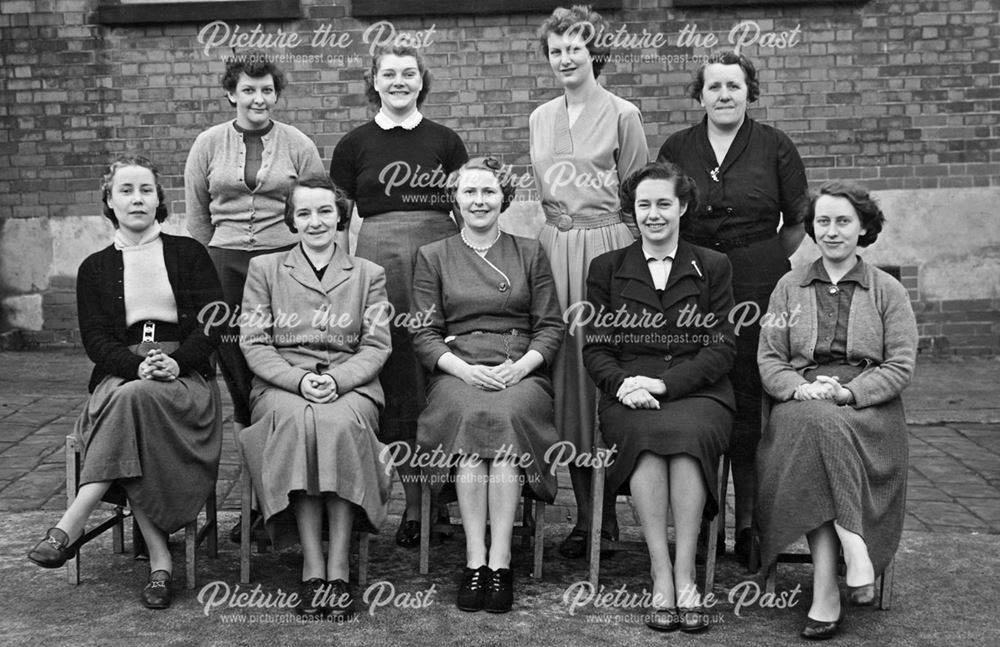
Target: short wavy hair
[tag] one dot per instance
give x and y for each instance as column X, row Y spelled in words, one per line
column 108, row 180
column 491, row 164
column 340, row 200
column 869, row 213
column 255, row 65
column 684, row 187
column 727, row 57
column 590, row 25
column 398, row 50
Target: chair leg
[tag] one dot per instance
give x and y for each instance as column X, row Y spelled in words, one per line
column 246, row 497
column 425, row 528
column 72, row 478
column 363, row 547
column 190, row 553
column 713, row 530
column 771, row 579
column 211, row 529
column 539, row 539
column 527, row 514
column 885, row 586
column 596, row 503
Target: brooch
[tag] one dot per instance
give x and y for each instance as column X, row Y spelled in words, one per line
column 714, row 174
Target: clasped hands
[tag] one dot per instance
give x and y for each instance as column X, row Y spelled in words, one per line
column 823, row 388
column 494, row 378
column 319, row 388
column 639, row 392
column 159, row 366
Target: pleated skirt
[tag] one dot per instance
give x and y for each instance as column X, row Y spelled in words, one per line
column 160, row 443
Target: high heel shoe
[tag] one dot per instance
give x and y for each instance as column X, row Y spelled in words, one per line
column 820, row 630
column 54, row 550
column 861, row 596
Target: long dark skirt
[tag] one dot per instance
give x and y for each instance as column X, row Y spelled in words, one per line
column 696, row 426
column 392, row 240
column 820, row 462
column 159, row 442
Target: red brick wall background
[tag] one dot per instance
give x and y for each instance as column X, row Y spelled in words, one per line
column 897, row 94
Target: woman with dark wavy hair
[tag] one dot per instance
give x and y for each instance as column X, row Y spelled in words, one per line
column 395, row 168
column 148, row 432
column 583, row 144
column 751, row 179
column 833, row 457
column 235, row 182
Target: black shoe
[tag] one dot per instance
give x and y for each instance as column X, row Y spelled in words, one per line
column 693, row 619
column 157, row 594
column 575, row 544
column 313, row 595
column 236, row 532
column 339, row 601
column 499, row 591
column 408, row 533
column 472, row 592
column 667, row 619
column 54, row 550
column 816, row 630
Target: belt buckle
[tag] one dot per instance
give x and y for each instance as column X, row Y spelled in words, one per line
column 148, row 339
column 564, row 223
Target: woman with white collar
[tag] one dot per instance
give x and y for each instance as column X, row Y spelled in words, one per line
column 395, row 168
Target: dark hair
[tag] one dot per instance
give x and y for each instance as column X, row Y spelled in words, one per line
column 869, row 213
column 318, row 182
column 397, row 50
column 255, row 65
column 727, row 57
column 684, row 187
column 580, row 19
column 108, row 180
column 492, row 165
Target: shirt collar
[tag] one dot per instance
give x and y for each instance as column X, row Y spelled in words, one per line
column 650, row 257
column 385, row 122
column 817, row 272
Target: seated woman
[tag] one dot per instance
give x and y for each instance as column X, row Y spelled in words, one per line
column 489, row 328
column 315, row 336
column 833, row 458
column 148, row 431
column 660, row 351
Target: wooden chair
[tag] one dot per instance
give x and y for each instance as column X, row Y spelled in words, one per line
column 883, row 581
column 247, row 538
column 193, row 535
column 531, row 529
column 596, row 505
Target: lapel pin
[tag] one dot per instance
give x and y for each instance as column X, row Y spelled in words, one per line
column 695, row 265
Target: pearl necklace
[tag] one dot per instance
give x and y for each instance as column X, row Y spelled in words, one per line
column 479, row 250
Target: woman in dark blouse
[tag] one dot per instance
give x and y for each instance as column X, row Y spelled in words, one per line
column 750, row 180
column 395, row 169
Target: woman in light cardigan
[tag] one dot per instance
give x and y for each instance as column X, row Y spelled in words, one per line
column 237, row 176
column 836, row 350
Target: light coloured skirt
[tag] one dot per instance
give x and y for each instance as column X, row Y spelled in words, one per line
column 820, row 462
column 570, row 253
column 160, row 443
column 392, row 240
column 297, row 446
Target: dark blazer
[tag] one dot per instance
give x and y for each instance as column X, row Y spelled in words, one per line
column 635, row 331
column 100, row 302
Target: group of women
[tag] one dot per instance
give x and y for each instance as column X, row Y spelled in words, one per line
column 482, row 368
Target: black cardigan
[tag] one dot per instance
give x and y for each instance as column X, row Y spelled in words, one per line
column 100, row 301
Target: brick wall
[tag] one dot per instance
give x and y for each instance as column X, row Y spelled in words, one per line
column 898, row 98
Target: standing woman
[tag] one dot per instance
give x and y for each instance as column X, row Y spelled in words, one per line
column 750, row 179
column 235, row 182
column 583, row 145
column 395, row 168
column 148, row 431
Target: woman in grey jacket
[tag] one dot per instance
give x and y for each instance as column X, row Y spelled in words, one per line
column 837, row 347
